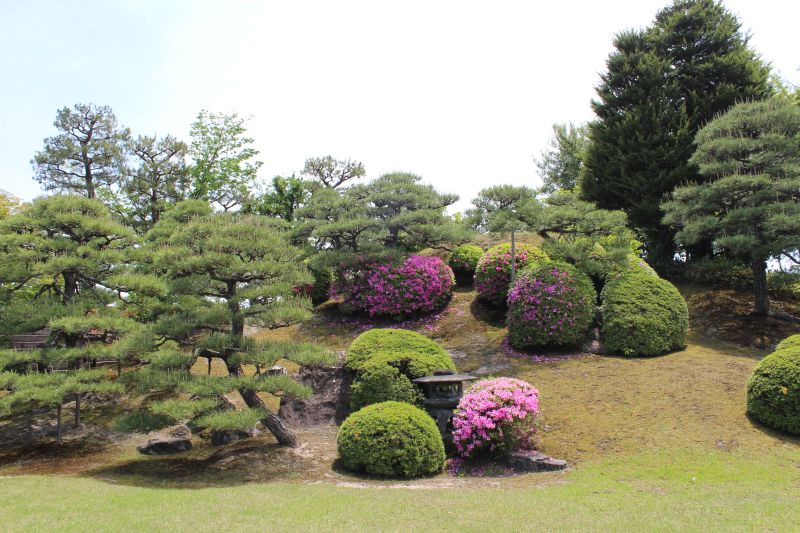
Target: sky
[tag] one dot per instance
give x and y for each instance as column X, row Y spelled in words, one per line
column 462, row 93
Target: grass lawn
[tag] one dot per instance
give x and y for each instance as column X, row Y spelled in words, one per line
column 700, row 490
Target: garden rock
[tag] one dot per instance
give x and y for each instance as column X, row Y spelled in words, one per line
column 533, row 461
column 165, row 446
column 330, row 400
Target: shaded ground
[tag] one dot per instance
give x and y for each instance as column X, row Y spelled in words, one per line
column 595, row 409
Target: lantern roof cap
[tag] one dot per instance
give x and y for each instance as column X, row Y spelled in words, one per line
column 445, row 378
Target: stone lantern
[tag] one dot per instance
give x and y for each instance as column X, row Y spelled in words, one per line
column 443, row 391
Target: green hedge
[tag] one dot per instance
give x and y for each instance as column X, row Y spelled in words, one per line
column 773, row 391
column 385, row 362
column 391, row 439
column 463, row 261
column 381, row 340
column 643, row 315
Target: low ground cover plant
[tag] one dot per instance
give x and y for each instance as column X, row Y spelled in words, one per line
column 493, row 272
column 551, row 304
column 394, row 288
column 495, row 417
column 391, row 439
column 642, row 315
column 773, row 391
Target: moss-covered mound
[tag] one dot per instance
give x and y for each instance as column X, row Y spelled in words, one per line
column 493, row 272
column 643, row 315
column 773, row 391
column 463, row 261
column 391, row 439
column 551, row 304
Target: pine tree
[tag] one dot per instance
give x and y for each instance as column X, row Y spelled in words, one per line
column 747, row 202
column 661, row 85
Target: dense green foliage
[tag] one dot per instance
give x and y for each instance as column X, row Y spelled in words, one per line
column 642, row 315
column 550, row 304
column 391, row 439
column 463, row 261
column 773, row 391
column 378, row 381
column 561, row 165
column 378, row 341
column 748, row 206
column 661, row 86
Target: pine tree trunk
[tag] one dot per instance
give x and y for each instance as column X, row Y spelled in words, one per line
column 58, row 425
column 760, row 291
column 77, row 410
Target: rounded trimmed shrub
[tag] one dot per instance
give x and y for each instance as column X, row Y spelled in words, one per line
column 773, row 391
column 792, row 341
column 391, row 439
column 412, row 286
column 493, row 272
column 387, row 360
column 386, row 340
column 463, row 261
column 380, row 382
column 643, row 315
column 551, row 304
column 495, row 417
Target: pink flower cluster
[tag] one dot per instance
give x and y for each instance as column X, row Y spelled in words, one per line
column 496, row 416
column 493, row 273
column 551, row 306
column 415, row 285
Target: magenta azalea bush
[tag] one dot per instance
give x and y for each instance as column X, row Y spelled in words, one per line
column 496, row 417
column 493, row 273
column 550, row 305
column 397, row 289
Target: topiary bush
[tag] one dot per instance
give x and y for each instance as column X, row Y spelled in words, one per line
column 495, row 417
column 395, row 289
column 387, row 360
column 493, row 272
column 463, row 261
column 642, row 315
column 391, row 439
column 551, row 304
column 773, row 391
column 386, row 340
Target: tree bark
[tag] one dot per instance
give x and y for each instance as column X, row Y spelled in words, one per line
column 70, row 287
column 77, row 410
column 760, row 291
column 271, row 421
column 58, row 425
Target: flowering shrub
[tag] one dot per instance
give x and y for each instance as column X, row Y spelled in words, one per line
column 415, row 285
column 551, row 305
column 493, row 273
column 463, row 261
column 391, row 439
column 496, row 417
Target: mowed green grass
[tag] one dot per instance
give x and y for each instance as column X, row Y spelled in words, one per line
column 688, row 490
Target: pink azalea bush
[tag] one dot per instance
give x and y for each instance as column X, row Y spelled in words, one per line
column 495, row 417
column 550, row 305
column 493, row 273
column 397, row 289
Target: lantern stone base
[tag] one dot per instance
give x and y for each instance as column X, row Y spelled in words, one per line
column 533, row 461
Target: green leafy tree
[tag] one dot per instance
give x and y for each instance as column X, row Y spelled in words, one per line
column 160, row 179
column 223, row 171
column 225, row 270
column 333, row 173
column 87, row 155
column 9, row 204
column 747, row 202
column 284, row 197
column 561, row 165
column 661, row 86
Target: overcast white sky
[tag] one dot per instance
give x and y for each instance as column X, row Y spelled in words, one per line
column 462, row 93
